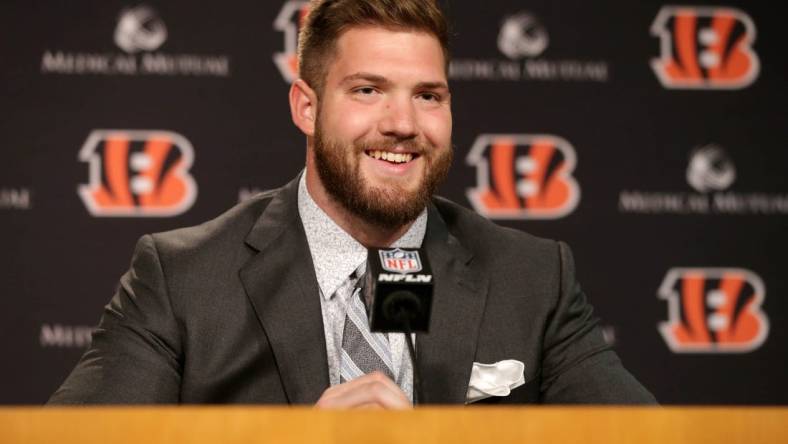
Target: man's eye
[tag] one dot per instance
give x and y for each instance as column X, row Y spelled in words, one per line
column 366, row 90
column 430, row 97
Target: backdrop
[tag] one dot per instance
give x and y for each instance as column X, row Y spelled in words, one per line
column 651, row 137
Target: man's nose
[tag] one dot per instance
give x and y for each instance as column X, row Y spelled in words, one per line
column 399, row 119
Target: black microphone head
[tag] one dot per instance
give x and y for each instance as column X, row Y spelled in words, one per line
column 399, row 283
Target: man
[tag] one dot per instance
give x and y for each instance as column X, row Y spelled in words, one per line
column 257, row 306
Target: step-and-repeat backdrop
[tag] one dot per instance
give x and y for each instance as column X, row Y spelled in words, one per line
column 650, row 136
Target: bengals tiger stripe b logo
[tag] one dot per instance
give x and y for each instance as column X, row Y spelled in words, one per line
column 289, row 21
column 137, row 173
column 705, row 48
column 523, row 176
column 713, row 310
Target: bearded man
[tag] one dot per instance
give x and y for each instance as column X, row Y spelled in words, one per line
column 257, row 306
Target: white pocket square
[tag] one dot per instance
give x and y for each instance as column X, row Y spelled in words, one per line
column 497, row 379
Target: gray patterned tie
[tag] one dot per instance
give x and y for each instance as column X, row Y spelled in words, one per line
column 362, row 351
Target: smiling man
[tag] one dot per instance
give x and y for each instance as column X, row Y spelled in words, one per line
column 378, row 126
column 261, row 304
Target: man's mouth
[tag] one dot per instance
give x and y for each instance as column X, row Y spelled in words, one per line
column 391, row 157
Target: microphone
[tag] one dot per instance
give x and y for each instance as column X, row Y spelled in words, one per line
column 398, row 288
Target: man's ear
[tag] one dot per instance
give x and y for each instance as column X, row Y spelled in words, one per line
column 303, row 106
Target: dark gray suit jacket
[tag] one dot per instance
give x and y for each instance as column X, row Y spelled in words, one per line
column 228, row 312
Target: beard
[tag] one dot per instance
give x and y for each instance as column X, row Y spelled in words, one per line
column 387, row 207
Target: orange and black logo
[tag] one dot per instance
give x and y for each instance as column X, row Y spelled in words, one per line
column 289, row 21
column 713, row 310
column 705, row 48
column 523, row 176
column 137, row 173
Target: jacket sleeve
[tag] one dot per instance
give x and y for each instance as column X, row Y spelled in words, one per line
column 135, row 354
column 578, row 367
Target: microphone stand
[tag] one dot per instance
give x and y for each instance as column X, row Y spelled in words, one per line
column 402, row 316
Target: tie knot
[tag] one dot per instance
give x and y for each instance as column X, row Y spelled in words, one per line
column 352, row 283
column 357, row 277
column 359, row 271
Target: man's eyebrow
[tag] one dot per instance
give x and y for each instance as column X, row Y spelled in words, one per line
column 380, row 80
column 432, row 85
column 369, row 77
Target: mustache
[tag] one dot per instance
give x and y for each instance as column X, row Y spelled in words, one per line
column 410, row 145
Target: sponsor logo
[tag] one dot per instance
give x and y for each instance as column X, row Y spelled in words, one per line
column 289, row 22
column 705, row 48
column 713, row 310
column 140, row 29
column 400, row 261
column 710, row 169
column 65, row 336
column 522, row 35
column 522, row 39
column 608, row 334
column 16, row 199
column 137, row 173
column 523, row 176
column 710, row 172
column 139, row 33
column 246, row 193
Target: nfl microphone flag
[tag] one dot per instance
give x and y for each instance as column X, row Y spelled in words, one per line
column 399, row 283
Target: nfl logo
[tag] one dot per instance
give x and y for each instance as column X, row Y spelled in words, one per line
column 400, row 261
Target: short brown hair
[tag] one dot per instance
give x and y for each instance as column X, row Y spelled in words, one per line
column 328, row 19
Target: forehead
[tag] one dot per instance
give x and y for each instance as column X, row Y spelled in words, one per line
column 394, row 54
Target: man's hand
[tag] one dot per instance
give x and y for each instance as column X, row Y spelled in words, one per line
column 374, row 390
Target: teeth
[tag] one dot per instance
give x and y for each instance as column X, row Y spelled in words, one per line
column 391, row 157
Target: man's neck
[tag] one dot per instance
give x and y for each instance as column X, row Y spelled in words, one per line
column 368, row 235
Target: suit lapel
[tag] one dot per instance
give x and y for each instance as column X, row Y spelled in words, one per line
column 281, row 284
column 446, row 353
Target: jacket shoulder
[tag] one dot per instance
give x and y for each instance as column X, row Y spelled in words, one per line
column 232, row 225
column 482, row 236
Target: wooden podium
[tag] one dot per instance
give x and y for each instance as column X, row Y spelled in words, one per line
column 454, row 425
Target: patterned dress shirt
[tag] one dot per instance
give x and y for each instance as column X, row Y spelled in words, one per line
column 335, row 255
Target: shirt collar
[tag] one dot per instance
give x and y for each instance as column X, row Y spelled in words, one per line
column 335, row 253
